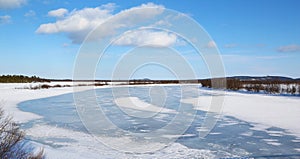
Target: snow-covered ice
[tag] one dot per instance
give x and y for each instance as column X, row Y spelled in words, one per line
column 264, row 110
column 265, row 124
column 137, row 104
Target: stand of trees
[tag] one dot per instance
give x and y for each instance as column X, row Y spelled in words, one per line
column 266, row 86
column 21, row 79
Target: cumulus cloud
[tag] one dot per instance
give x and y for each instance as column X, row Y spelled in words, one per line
column 211, row 44
column 147, row 37
column 30, row 13
column 61, row 12
column 78, row 23
column 5, row 19
column 8, row 4
column 86, row 18
column 109, row 6
column 289, row 48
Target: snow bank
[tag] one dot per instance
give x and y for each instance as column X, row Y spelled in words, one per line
column 137, row 104
column 261, row 110
column 11, row 95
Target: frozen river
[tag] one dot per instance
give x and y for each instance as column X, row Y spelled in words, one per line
column 61, row 130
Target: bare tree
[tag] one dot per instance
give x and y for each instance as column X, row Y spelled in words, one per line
column 12, row 141
column 294, row 90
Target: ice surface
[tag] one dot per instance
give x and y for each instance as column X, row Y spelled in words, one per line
column 252, row 124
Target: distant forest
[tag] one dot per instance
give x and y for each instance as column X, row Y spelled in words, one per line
column 21, row 79
column 269, row 86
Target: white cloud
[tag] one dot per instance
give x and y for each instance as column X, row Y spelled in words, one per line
column 61, row 12
column 8, row 4
column 75, row 21
column 30, row 13
column 5, row 19
column 109, row 6
column 211, row 44
column 78, row 23
column 289, row 48
column 146, row 37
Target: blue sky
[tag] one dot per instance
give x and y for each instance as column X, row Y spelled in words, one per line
column 254, row 37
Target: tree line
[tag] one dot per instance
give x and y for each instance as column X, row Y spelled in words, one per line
column 265, row 86
column 21, row 79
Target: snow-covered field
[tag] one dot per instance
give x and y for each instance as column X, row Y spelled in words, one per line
column 265, row 110
column 262, row 122
column 13, row 93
